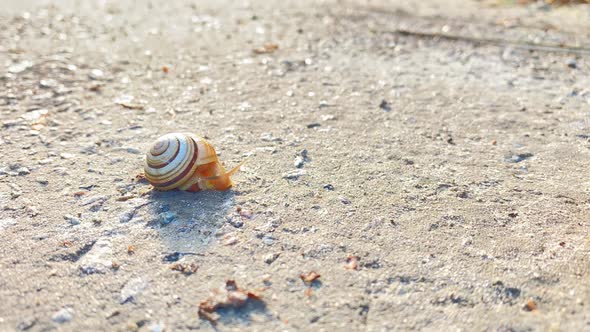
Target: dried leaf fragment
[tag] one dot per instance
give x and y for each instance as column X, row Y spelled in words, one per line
column 127, row 102
column 266, row 48
column 310, row 277
column 186, row 269
column 531, row 305
column 95, row 87
column 79, row 193
column 229, row 296
column 131, row 249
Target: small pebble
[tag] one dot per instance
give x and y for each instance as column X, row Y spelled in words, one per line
column 132, row 289
column 166, row 218
column 20, row 67
column 50, row 83
column 26, row 324
column 127, row 215
column 329, row 187
column 298, row 162
column 268, row 259
column 155, row 327
column 344, row 200
column 5, row 223
column 230, row 241
column 303, row 154
column 23, row 171
column 66, row 155
column 99, row 259
column 93, row 199
column 236, row 222
column 516, row 158
column 11, row 123
column 268, row 137
column 71, row 219
column 268, row 240
column 62, row 316
column 572, row 63
column 385, row 106
column 294, row 175
column 133, row 150
column 96, row 74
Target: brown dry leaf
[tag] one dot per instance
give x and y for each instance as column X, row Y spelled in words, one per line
column 229, row 296
column 531, row 305
column 131, row 249
column 186, row 269
column 95, row 87
column 310, row 277
column 266, row 48
column 352, row 263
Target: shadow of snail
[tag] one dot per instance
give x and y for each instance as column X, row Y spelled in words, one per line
column 191, row 192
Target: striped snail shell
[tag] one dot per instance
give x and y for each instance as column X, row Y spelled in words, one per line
column 186, row 162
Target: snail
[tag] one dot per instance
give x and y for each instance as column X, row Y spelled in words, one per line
column 185, row 162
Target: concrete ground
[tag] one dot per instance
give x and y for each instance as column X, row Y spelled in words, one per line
column 429, row 160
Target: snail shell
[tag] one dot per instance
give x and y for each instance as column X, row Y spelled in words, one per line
column 186, row 162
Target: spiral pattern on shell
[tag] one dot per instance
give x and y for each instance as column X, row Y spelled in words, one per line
column 173, row 160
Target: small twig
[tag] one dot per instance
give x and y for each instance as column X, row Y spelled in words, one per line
column 498, row 42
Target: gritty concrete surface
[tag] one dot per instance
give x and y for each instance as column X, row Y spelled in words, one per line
column 435, row 183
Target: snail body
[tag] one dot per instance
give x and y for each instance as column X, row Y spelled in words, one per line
column 185, row 162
